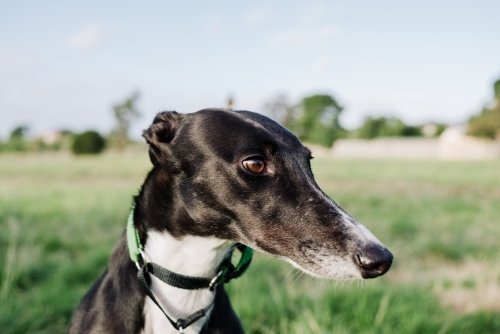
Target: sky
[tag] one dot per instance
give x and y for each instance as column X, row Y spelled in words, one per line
column 64, row 64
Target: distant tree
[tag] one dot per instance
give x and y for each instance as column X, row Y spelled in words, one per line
column 411, row 131
column 487, row 123
column 17, row 140
column 374, row 127
column 19, row 132
column 89, row 142
column 496, row 89
column 124, row 113
column 440, row 129
column 317, row 120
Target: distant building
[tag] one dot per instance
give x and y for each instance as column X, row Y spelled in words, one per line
column 453, row 144
column 429, row 130
column 51, row 137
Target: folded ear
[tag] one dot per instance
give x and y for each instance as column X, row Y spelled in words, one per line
column 161, row 132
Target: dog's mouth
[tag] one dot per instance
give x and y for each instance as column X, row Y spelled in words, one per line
column 356, row 255
column 369, row 262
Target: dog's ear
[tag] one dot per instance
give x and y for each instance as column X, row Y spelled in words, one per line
column 161, row 132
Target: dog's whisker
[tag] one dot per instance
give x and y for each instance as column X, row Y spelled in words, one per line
column 269, row 261
column 298, row 272
column 291, row 269
column 324, row 285
column 301, row 273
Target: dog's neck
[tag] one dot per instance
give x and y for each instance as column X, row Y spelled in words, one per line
column 158, row 209
column 190, row 256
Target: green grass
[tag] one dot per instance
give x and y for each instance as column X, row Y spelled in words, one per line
column 61, row 216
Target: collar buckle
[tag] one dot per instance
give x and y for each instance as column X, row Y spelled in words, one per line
column 144, row 262
column 214, row 282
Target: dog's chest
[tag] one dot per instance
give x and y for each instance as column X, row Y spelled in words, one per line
column 156, row 322
column 190, row 256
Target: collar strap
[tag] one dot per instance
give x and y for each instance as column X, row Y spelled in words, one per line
column 133, row 241
column 181, row 324
column 227, row 270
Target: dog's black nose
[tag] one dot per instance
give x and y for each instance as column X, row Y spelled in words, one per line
column 373, row 261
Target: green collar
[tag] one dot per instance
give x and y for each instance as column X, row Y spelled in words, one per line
column 133, row 241
column 226, row 272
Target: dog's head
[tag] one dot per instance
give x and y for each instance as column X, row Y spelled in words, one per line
column 238, row 175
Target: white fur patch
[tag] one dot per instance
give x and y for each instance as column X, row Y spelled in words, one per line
column 338, row 268
column 365, row 234
column 191, row 256
column 334, row 266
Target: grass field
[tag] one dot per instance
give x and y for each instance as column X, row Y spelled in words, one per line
column 60, row 217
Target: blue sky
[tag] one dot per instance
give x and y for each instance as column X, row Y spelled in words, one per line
column 64, row 64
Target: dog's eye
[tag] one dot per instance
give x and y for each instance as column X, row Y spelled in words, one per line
column 254, row 165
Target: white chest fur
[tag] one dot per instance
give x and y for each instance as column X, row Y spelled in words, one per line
column 190, row 256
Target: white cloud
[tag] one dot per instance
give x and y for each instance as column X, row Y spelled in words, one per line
column 312, row 22
column 259, row 16
column 91, row 36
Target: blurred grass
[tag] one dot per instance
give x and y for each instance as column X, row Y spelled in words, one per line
column 61, row 216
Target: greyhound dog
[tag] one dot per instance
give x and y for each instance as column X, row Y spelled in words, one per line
column 220, row 179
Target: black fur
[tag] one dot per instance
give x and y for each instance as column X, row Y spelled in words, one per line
column 198, row 186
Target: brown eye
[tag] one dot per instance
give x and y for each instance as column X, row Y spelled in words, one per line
column 254, row 165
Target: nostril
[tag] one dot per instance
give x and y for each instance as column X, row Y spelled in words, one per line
column 360, row 263
column 381, row 267
column 373, row 261
column 368, row 263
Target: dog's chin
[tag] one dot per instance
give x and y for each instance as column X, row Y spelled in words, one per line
column 328, row 268
column 335, row 271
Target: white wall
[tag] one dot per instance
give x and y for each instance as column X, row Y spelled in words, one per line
column 444, row 148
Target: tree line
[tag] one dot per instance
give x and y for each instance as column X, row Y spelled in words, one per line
column 314, row 119
column 87, row 142
column 486, row 123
